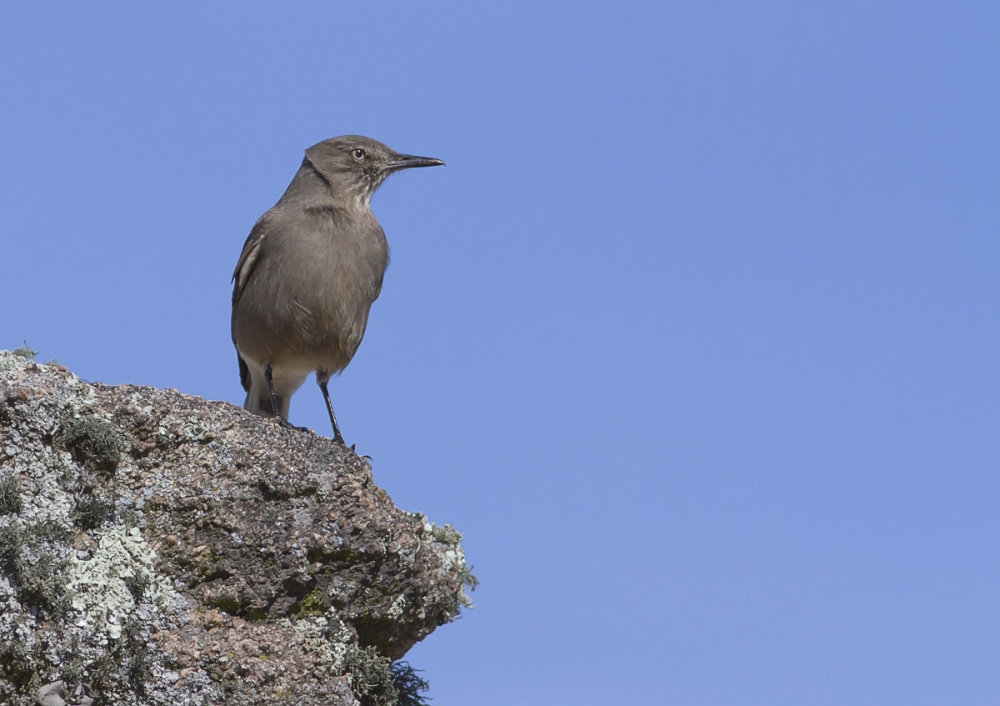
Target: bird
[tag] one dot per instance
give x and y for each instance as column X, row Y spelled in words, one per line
column 309, row 272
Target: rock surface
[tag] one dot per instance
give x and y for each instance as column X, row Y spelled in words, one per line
column 157, row 548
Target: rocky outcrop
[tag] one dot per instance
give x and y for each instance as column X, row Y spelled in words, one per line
column 157, row 548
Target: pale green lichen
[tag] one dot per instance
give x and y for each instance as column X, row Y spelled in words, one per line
column 84, row 617
column 103, row 585
column 446, row 541
column 326, row 636
column 396, row 609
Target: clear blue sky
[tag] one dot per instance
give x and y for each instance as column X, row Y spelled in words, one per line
column 695, row 337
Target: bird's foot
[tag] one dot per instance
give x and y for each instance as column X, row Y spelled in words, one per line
column 339, row 440
column 288, row 425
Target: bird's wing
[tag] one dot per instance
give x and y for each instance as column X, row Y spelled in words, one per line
column 241, row 275
column 250, row 255
column 381, row 274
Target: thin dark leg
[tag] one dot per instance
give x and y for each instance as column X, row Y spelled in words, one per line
column 329, row 408
column 270, row 390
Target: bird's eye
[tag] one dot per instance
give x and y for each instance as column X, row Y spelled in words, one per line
column 358, row 154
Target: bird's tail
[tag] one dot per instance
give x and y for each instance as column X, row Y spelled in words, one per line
column 259, row 402
column 258, row 398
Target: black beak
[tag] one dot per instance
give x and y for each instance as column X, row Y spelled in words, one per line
column 406, row 161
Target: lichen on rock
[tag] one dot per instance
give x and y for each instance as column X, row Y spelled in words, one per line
column 157, row 548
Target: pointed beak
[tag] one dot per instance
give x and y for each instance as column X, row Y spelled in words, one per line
column 406, row 161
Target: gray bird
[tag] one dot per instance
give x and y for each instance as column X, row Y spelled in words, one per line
column 309, row 272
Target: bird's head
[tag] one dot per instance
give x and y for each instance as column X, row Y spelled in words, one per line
column 355, row 166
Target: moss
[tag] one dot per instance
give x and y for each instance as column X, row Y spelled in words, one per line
column 470, row 581
column 408, row 684
column 11, row 539
column 48, row 530
column 92, row 441
column 240, row 609
column 281, row 692
column 208, row 571
column 377, row 681
column 371, row 677
column 10, row 495
column 14, row 537
column 451, row 605
column 137, row 585
column 257, row 615
column 130, row 519
column 43, row 583
column 297, row 588
column 137, row 657
column 310, row 604
column 376, row 632
column 39, row 575
column 25, row 352
column 446, row 534
column 128, row 666
column 72, row 662
column 18, row 666
column 318, row 555
column 91, row 511
column 230, row 606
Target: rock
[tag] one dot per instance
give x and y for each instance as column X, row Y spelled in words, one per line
column 157, row 548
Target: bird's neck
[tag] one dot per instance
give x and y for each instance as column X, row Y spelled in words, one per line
column 312, row 187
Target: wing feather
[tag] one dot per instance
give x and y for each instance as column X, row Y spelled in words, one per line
column 249, row 257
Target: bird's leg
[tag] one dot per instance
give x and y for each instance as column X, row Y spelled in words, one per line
column 322, row 380
column 274, row 401
column 269, row 379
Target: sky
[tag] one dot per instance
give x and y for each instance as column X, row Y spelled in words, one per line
column 694, row 338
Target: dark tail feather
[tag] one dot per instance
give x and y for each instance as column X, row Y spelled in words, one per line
column 244, row 373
